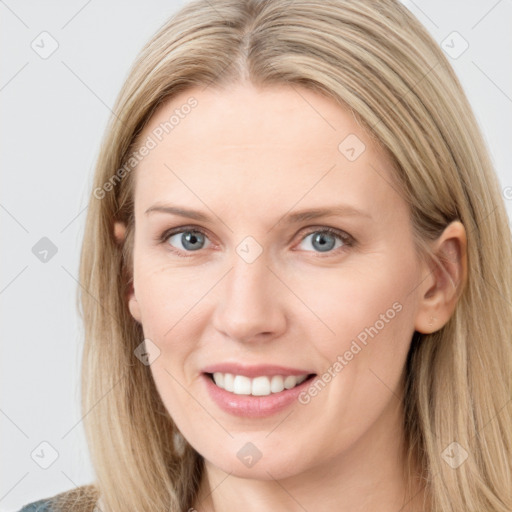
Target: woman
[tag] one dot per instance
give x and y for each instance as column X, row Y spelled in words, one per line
column 296, row 282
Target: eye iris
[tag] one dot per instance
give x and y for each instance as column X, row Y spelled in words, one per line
column 321, row 239
column 191, row 237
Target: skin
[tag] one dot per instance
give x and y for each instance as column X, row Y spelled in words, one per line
column 252, row 156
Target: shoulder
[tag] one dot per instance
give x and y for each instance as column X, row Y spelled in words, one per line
column 38, row 506
column 81, row 499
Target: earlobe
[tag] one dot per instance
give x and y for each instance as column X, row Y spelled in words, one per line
column 447, row 278
column 119, row 231
column 133, row 305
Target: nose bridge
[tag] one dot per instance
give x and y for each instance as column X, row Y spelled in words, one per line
column 248, row 281
column 249, row 304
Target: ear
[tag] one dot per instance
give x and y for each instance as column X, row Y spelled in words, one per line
column 133, row 305
column 119, row 231
column 444, row 281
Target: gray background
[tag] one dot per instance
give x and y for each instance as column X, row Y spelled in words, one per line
column 54, row 112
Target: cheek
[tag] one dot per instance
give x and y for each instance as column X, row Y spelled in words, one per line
column 167, row 298
column 172, row 302
column 370, row 306
column 165, row 295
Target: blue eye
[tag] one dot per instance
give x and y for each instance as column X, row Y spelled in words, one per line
column 325, row 240
column 190, row 240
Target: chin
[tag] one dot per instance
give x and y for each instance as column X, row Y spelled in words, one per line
column 265, row 464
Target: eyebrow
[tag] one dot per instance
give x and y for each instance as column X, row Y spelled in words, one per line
column 290, row 218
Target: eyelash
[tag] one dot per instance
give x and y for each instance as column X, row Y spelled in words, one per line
column 348, row 241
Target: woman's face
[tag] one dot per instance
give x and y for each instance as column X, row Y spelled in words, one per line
column 248, row 284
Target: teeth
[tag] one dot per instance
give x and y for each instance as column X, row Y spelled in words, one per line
column 259, row 386
column 276, row 384
column 290, row 381
column 242, row 385
column 228, row 381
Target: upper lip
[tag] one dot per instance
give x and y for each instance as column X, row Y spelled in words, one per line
column 254, row 370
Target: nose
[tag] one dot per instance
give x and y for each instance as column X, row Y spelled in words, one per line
column 250, row 306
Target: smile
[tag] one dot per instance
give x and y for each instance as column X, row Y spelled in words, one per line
column 258, row 386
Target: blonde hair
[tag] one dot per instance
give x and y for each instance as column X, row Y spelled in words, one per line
column 375, row 58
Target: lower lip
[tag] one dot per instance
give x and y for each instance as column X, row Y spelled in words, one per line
column 253, row 406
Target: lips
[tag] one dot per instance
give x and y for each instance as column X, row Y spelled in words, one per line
column 254, row 391
column 253, row 406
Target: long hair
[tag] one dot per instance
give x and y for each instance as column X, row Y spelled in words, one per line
column 375, row 58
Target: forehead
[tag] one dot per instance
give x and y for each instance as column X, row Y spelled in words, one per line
column 272, row 144
column 284, row 115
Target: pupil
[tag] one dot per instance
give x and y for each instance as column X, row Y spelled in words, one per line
column 323, row 245
column 189, row 239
